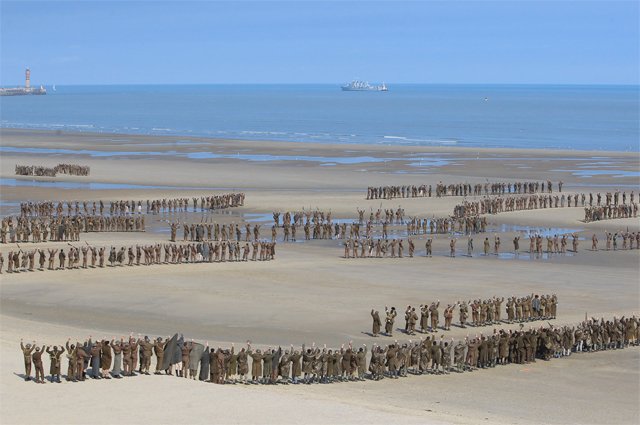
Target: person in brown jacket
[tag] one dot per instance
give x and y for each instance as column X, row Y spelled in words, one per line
column 37, row 362
column 159, row 350
column 376, row 322
column 105, row 358
column 296, row 367
column 126, row 358
column 243, row 365
column 26, row 351
column 71, row 356
column 81, row 355
column 186, row 350
column 256, row 364
column 135, row 343
column 54, row 357
column 147, row 353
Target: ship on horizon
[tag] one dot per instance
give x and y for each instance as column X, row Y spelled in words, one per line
column 23, row 91
column 357, row 85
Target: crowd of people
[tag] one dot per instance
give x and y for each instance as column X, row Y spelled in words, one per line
column 206, row 252
column 615, row 201
column 612, row 240
column 483, row 313
column 41, row 171
column 610, row 212
column 64, row 228
column 459, row 189
column 499, row 204
column 395, row 248
column 114, row 358
column 123, row 207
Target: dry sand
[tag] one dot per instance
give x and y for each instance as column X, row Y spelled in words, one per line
column 309, row 293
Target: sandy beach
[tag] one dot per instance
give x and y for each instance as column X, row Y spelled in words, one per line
column 309, row 293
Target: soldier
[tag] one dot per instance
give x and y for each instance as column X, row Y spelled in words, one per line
column 54, row 357
column 158, row 347
column 435, row 316
column 470, row 247
column 452, row 246
column 464, row 313
column 186, row 351
column 27, row 351
column 376, row 322
column 448, row 316
column 389, row 321
column 428, row 246
column 486, row 246
column 37, row 362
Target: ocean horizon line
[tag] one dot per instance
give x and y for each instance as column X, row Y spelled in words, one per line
column 333, row 84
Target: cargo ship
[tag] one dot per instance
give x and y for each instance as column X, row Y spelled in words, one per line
column 357, row 85
column 23, row 91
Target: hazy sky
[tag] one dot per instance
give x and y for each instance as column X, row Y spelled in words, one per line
column 112, row 42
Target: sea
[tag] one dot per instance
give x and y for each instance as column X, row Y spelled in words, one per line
column 594, row 117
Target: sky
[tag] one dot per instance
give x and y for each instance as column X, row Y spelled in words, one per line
column 175, row 42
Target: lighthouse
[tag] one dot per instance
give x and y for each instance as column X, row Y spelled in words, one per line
column 27, row 79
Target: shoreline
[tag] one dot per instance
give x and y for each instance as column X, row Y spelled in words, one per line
column 138, row 139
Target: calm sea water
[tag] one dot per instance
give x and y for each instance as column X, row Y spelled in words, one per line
column 557, row 117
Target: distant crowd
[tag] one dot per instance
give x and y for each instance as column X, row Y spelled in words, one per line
column 41, row 171
column 459, row 189
column 123, row 207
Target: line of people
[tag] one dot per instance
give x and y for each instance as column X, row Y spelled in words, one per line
column 42, row 171
column 610, row 212
column 206, row 252
column 499, row 204
column 107, row 358
column 64, row 228
column 483, row 313
column 459, row 189
column 124, row 207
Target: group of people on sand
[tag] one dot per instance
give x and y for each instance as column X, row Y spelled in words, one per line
column 615, row 203
column 395, row 248
column 459, row 189
column 92, row 257
column 124, row 207
column 64, row 228
column 610, row 212
column 42, row 171
column 483, row 313
column 127, row 357
column 612, row 240
column 500, row 204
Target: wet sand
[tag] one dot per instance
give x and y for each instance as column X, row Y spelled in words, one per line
column 309, row 293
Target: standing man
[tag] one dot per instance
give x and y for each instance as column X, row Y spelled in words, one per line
column 27, row 351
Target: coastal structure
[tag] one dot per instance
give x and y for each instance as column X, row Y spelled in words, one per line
column 26, row 90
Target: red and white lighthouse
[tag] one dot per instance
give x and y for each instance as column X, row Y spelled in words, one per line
column 27, row 78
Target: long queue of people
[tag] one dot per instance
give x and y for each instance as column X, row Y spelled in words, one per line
column 499, row 204
column 124, row 207
column 92, row 257
column 610, row 212
column 42, row 171
column 459, row 189
column 483, row 313
column 127, row 357
column 494, row 205
column 64, row 228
